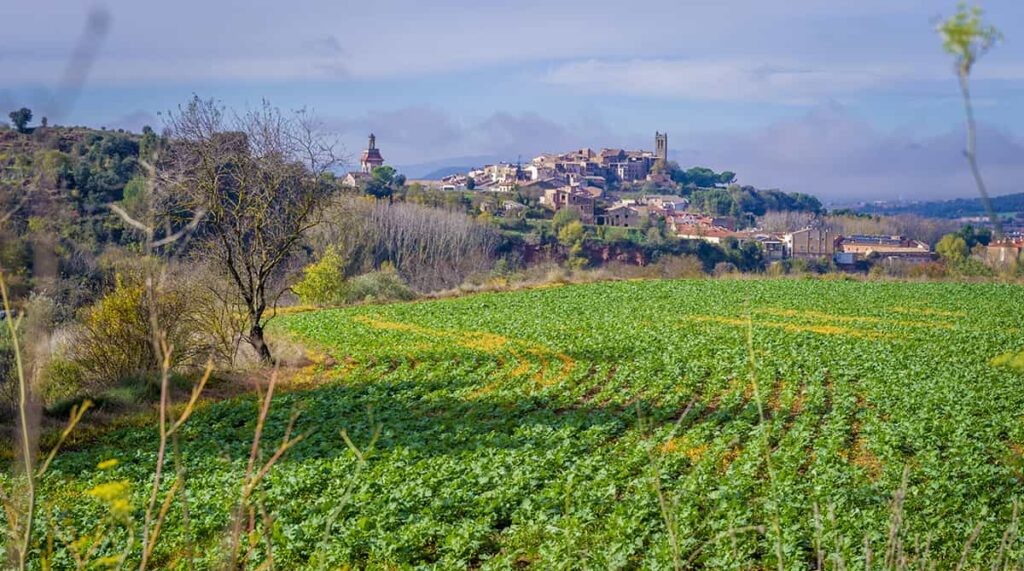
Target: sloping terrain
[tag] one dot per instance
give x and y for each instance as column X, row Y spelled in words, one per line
column 572, row 427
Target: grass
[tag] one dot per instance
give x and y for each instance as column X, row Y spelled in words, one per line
column 617, row 425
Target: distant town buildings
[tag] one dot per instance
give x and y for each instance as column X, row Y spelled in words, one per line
column 1006, row 252
column 818, row 243
column 810, row 243
column 634, row 213
column 571, row 197
column 861, row 247
column 580, row 168
column 579, row 179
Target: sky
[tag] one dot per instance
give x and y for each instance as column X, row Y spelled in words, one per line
column 846, row 99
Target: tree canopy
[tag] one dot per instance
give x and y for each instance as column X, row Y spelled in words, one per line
column 20, row 119
column 384, row 182
column 258, row 182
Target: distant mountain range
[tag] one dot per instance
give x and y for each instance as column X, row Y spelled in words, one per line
column 436, row 170
column 957, row 208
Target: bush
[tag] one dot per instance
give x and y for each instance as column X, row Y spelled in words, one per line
column 64, row 380
column 679, row 267
column 724, row 268
column 972, row 268
column 323, row 282
column 776, row 269
column 380, row 286
column 116, row 339
column 563, row 218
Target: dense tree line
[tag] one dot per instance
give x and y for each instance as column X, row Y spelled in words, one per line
column 957, row 208
column 430, row 248
column 744, row 203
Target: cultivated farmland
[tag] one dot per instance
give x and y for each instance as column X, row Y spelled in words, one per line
column 622, row 425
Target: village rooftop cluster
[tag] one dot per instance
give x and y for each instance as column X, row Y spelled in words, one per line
column 590, row 183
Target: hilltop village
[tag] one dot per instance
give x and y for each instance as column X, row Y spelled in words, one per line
column 637, row 190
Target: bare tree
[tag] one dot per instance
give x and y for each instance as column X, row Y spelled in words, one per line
column 262, row 179
column 430, row 248
column 786, row 220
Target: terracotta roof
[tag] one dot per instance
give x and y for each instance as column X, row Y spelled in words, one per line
column 703, row 231
column 372, row 155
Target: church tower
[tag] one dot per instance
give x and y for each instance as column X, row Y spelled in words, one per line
column 661, row 146
column 371, row 156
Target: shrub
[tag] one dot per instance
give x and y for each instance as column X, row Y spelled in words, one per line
column 971, row 267
column 679, row 267
column 116, row 338
column 563, row 218
column 571, row 233
column 382, row 285
column 776, row 269
column 952, row 247
column 323, row 282
column 724, row 268
column 64, row 380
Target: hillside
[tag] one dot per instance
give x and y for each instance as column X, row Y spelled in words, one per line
column 532, row 428
column 958, row 208
column 56, row 186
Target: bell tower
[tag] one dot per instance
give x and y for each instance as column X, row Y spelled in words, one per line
column 661, row 146
column 371, row 156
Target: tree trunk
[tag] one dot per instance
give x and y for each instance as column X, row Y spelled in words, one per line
column 260, row 345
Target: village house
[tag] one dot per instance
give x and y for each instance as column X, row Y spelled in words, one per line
column 354, row 178
column 506, row 186
column 703, row 232
column 633, row 213
column 572, row 197
column 624, row 215
column 810, row 243
column 1006, row 252
column 500, row 177
column 544, row 183
column 772, row 245
column 455, row 182
column 863, row 247
column 507, row 208
column 512, row 208
column 610, row 164
column 667, row 202
column 774, row 248
column 536, row 172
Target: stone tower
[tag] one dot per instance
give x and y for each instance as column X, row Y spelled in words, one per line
column 661, row 146
column 371, row 156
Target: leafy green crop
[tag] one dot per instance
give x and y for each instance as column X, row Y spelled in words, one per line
column 511, row 436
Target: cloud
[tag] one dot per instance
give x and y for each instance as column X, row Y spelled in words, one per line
column 328, row 56
column 842, row 158
column 829, row 151
column 313, row 39
column 743, row 80
column 706, row 80
column 422, row 133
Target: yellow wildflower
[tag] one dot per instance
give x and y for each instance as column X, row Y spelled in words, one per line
column 107, row 464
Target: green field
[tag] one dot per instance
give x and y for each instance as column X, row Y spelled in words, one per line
column 528, row 428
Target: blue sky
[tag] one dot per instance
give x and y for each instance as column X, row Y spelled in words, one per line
column 845, row 99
